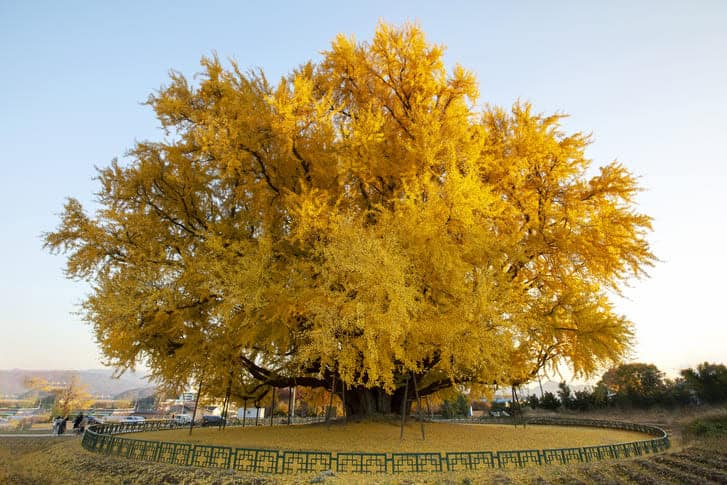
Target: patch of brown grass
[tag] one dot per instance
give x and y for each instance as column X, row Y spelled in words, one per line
column 52, row 461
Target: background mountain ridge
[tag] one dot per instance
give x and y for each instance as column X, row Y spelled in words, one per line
column 98, row 382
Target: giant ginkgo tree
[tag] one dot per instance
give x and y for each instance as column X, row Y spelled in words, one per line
column 362, row 224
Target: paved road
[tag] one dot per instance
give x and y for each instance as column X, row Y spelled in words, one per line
column 38, row 435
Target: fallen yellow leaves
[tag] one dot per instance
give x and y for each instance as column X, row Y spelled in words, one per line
column 384, row 437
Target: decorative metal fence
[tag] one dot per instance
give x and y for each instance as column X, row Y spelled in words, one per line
column 107, row 439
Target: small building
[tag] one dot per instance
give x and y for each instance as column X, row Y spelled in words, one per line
column 251, row 413
column 213, row 410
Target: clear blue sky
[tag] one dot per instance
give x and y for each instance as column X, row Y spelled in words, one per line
column 648, row 79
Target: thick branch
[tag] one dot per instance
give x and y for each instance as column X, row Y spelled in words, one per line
column 272, row 378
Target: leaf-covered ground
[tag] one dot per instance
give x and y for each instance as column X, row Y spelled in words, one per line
column 698, row 457
column 384, row 437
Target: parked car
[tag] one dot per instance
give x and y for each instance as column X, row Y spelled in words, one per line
column 212, row 420
column 133, row 419
column 94, row 420
column 182, row 419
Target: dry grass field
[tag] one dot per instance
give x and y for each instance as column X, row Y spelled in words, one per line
column 384, row 437
column 699, row 456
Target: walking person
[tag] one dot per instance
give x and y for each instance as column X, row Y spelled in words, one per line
column 82, row 425
column 77, row 422
column 57, row 425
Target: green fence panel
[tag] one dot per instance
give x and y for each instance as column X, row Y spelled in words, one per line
column 470, row 460
column 605, row 451
column 115, row 446
column 89, row 440
column 306, row 461
column 637, row 447
column 126, row 447
column 518, row 458
column 104, row 439
column 256, row 461
column 174, row 453
column 361, row 462
column 102, row 442
column 416, row 462
column 619, row 451
column 655, row 445
column 648, row 446
column 151, row 451
column 136, row 451
column 211, row 456
column 562, row 456
column 147, row 450
column 96, row 440
column 507, row 459
column 652, row 446
column 624, row 449
column 143, row 450
column 593, row 453
column 109, row 443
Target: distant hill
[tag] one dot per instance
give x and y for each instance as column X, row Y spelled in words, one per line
column 98, row 381
column 33, row 394
column 133, row 394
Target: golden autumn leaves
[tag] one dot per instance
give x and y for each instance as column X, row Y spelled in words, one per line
column 362, row 218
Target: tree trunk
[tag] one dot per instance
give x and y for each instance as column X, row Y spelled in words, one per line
column 363, row 402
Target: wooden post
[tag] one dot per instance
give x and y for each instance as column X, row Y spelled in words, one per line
column 196, row 402
column 419, row 404
column 257, row 412
column 290, row 405
column 403, row 408
column 272, row 408
column 244, row 412
column 345, row 413
column 222, row 413
column 330, row 402
column 226, row 406
column 295, row 388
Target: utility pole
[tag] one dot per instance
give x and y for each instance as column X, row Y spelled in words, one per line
column 541, row 386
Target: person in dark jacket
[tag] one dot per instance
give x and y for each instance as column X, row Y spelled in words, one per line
column 77, row 422
column 82, row 425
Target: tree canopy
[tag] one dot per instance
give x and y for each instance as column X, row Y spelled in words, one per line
column 636, row 383
column 67, row 397
column 708, row 381
column 360, row 221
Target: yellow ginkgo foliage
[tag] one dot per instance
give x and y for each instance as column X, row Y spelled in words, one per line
column 359, row 225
